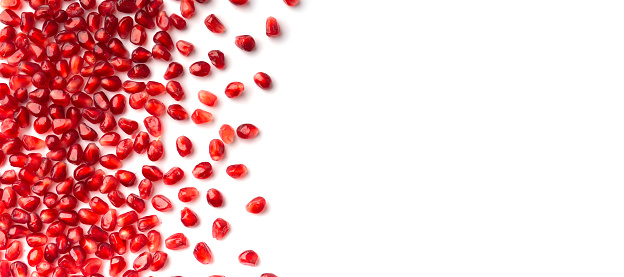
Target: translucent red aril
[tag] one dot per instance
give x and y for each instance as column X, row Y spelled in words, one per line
column 152, row 172
column 154, row 88
column 117, row 265
column 108, row 222
column 248, row 257
column 173, row 176
column 139, row 71
column 213, row 24
column 272, row 27
column 137, row 100
column 173, row 70
column 234, row 89
column 146, row 188
column 184, row 47
column 202, row 170
column 162, row 21
column 188, row 194
column 128, row 126
column 207, row 98
column 245, row 43
column 155, row 107
column 202, row 253
column 135, row 203
column 177, row 112
column 247, row 131
column 263, row 80
column 200, row 69
column 214, row 198
column 161, row 203
column 217, row 58
column 236, row 171
column 188, row 217
column 124, row 148
column 256, row 205
column 220, row 227
column 153, row 126
column 142, row 262
column 216, row 148
column 226, row 132
column 153, row 241
column 184, row 146
column 176, row 241
column 155, row 150
column 138, row 36
column 200, row 116
column 137, row 242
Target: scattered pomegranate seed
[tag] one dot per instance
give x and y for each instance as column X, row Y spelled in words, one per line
column 263, row 80
column 238, row 2
column 202, row 253
column 216, row 149
column 200, row 116
column 200, row 69
column 220, row 227
column 217, row 58
column 176, row 242
column 272, row 27
column 248, row 257
column 173, row 176
column 247, row 131
column 161, row 203
column 236, row 171
column 184, row 47
column 184, row 146
column 174, row 70
column 214, row 198
column 188, row 194
column 245, row 43
column 291, row 3
column 234, row 89
column 207, row 98
column 188, row 217
column 202, row 170
column 256, row 205
column 213, row 24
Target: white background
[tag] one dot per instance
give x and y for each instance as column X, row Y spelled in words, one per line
column 419, row 138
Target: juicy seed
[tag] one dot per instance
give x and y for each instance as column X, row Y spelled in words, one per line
column 245, row 43
column 256, row 205
column 213, row 24
column 234, row 89
column 272, row 27
column 236, row 171
column 247, row 131
column 202, row 253
column 248, row 257
column 226, row 132
column 220, row 227
column 263, row 80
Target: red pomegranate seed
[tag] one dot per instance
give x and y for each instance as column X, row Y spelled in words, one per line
column 268, row 275
column 238, row 2
column 110, row 139
column 139, row 71
column 152, row 172
column 127, row 218
column 155, row 150
column 248, row 257
column 247, row 131
column 161, row 203
column 153, row 126
column 13, row 250
column 184, row 146
column 118, row 244
column 217, row 58
column 177, row 112
column 291, row 3
column 137, row 242
column 110, row 161
column 142, row 262
column 200, row 69
column 245, row 43
column 207, row 98
column 135, row 203
column 226, row 132
column 145, row 188
column 174, row 70
column 137, row 100
column 187, row 8
column 154, row 88
column 158, row 260
column 153, row 241
column 202, row 253
column 128, row 126
column 117, row 265
column 220, row 227
column 202, row 170
column 184, row 47
column 173, row 176
column 216, row 148
column 263, row 80
column 234, row 89
column 188, row 194
column 272, row 27
column 188, row 217
column 214, row 198
column 200, row 116
column 176, row 241
column 124, row 148
column 236, row 171
column 118, row 104
column 256, row 205
column 108, row 222
column 155, row 107
column 213, row 24
column 138, row 36
column 162, row 21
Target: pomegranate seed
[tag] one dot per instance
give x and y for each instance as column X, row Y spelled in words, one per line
column 128, row 126
column 262, row 80
column 216, row 149
column 158, row 260
column 291, row 3
column 202, row 170
column 154, row 88
column 187, row 8
column 118, row 244
column 214, row 198
column 177, row 112
column 142, row 262
column 220, row 227
column 184, row 146
column 272, row 27
column 217, row 59
column 110, row 139
column 202, row 253
column 153, row 241
column 137, row 100
column 155, row 150
column 139, row 71
column 13, row 250
column 173, row 176
column 248, row 257
column 152, row 172
column 145, row 188
column 176, row 241
column 117, row 265
column 188, row 194
column 200, row 69
column 155, row 107
column 135, row 203
column 162, row 20
column 110, row 161
column 138, row 36
column 234, row 89
column 247, row 131
column 184, row 47
column 188, row 217
column 161, row 203
column 207, row 98
column 213, row 24
column 245, row 43
column 200, row 116
column 268, row 275
column 173, row 70
column 226, row 132
column 124, row 148
column 236, row 171
column 256, row 205
column 153, row 126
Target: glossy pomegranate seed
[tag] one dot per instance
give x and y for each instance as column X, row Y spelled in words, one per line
column 153, row 241
column 158, row 260
column 155, row 107
column 144, row 19
column 118, row 104
column 236, row 171
column 202, row 253
column 217, row 58
column 226, row 132
column 291, row 3
column 110, row 139
column 88, row 217
column 118, row 244
column 216, row 149
column 184, row 47
column 19, row 269
column 256, row 205
column 129, row 126
column 220, row 227
column 148, row 222
column 142, row 262
column 152, row 172
column 247, row 131
column 155, row 150
column 245, row 43
column 188, row 194
column 135, row 203
column 162, row 21
column 154, row 88
column 214, row 198
column 177, row 21
column 202, row 170
column 272, row 27
column 127, row 218
column 13, row 250
column 234, row 89
column 145, row 188
column 213, row 24
column 188, row 217
column 184, row 146
column 177, row 112
column 153, row 126
column 248, row 257
column 137, row 100
column 91, row 266
column 117, row 265
column 207, row 98
column 161, row 203
column 200, row 69
column 110, row 161
column 174, row 70
column 176, row 241
column 200, row 116
column 187, row 8
column 141, row 141
column 263, row 80
column 124, row 148
column 139, row 71
column 159, row 52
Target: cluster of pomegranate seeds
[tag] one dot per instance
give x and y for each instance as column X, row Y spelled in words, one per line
column 61, row 207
